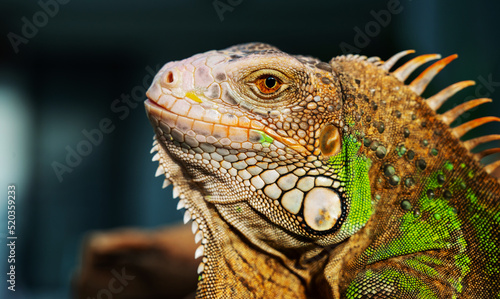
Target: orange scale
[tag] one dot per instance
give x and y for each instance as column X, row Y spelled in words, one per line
column 212, row 116
column 237, row 134
column 166, row 101
column 196, row 112
column 244, row 122
column 169, row 118
column 229, row 120
column 256, row 125
column 181, row 108
column 220, row 131
column 202, row 128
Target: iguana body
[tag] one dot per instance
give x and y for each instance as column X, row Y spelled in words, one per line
column 308, row 179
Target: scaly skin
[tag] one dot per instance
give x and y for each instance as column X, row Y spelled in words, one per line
column 308, row 179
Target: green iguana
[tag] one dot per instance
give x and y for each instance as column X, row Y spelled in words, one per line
column 306, row 179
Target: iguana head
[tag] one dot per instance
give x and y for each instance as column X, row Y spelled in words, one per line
column 254, row 125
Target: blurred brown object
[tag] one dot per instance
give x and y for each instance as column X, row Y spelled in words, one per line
column 133, row 264
column 496, row 173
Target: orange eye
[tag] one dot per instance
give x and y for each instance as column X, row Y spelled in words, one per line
column 268, row 84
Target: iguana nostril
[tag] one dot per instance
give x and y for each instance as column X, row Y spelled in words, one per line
column 171, row 78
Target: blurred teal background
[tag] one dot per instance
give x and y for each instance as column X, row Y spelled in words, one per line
column 64, row 79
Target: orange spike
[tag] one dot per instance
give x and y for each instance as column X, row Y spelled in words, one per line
column 464, row 128
column 439, row 98
column 487, row 152
column 491, row 167
column 449, row 116
column 470, row 144
column 391, row 61
column 420, row 83
column 406, row 69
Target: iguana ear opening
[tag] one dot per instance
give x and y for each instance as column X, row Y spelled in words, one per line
column 330, row 142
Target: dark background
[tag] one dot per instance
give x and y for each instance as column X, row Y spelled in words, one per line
column 65, row 78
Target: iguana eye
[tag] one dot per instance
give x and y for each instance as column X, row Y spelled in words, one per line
column 268, row 84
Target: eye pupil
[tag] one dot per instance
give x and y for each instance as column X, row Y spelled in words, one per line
column 271, row 82
column 268, row 85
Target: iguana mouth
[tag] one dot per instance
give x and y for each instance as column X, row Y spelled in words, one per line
column 193, row 123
